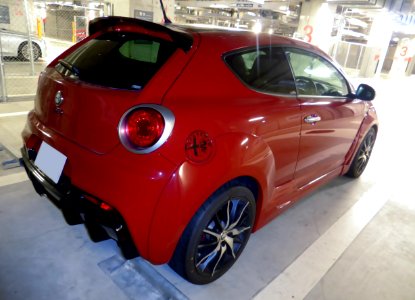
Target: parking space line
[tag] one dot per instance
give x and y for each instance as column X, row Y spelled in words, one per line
column 13, row 178
column 14, row 114
column 299, row 278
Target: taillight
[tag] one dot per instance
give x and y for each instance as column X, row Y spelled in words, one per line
column 144, row 128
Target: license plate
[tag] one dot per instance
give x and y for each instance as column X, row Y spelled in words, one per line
column 50, row 161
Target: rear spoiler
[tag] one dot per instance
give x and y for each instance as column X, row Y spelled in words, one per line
column 182, row 39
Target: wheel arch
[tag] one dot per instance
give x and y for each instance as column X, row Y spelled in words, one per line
column 193, row 184
column 370, row 121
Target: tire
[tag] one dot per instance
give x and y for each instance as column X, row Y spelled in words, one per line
column 361, row 159
column 24, row 54
column 216, row 235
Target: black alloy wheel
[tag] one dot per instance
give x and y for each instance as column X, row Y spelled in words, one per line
column 363, row 154
column 216, row 236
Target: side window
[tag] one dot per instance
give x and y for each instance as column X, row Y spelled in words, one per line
column 264, row 69
column 4, row 14
column 316, row 76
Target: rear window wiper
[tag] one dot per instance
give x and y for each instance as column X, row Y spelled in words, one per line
column 69, row 67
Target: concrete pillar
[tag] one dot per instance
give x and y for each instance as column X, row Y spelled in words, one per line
column 316, row 23
column 411, row 67
column 121, row 8
column 150, row 10
column 377, row 45
column 402, row 61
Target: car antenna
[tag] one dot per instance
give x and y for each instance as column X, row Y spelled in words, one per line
column 166, row 18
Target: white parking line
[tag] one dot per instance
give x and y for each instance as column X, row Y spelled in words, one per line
column 13, row 178
column 14, row 114
column 298, row 279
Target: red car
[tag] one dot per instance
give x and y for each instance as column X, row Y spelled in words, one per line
column 178, row 142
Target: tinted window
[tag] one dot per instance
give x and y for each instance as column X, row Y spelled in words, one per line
column 264, row 69
column 119, row 60
column 4, row 14
column 316, row 76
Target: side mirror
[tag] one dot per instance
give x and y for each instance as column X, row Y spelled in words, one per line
column 365, row 92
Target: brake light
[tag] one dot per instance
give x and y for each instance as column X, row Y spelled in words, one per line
column 144, row 128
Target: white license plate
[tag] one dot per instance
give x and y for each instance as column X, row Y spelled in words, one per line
column 50, row 161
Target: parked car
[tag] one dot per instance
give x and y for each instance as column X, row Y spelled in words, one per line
column 16, row 44
column 178, row 142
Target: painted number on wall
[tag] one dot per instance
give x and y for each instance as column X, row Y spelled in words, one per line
column 308, row 29
column 404, row 51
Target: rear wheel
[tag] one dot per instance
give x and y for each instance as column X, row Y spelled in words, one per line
column 24, row 51
column 363, row 154
column 216, row 235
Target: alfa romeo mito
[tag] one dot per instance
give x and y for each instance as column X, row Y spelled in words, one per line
column 178, row 142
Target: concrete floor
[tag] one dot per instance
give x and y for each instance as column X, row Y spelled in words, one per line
column 351, row 239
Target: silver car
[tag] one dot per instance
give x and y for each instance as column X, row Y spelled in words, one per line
column 16, row 44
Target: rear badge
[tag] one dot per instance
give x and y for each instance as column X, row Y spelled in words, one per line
column 58, row 101
column 58, row 98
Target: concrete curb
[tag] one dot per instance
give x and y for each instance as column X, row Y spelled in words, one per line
column 139, row 280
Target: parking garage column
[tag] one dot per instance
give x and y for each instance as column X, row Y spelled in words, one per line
column 377, row 45
column 121, row 8
column 402, row 61
column 150, row 10
column 316, row 23
column 410, row 70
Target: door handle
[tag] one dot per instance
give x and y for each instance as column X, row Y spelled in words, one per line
column 311, row 119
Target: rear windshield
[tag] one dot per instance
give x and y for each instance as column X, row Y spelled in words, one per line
column 118, row 60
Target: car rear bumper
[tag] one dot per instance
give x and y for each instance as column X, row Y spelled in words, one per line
column 101, row 220
column 129, row 184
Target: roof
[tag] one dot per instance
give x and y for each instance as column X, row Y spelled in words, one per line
column 184, row 35
column 228, row 39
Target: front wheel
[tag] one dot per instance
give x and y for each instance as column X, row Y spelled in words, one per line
column 363, row 154
column 216, row 235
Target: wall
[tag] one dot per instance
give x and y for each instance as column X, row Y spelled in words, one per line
column 121, row 7
column 17, row 15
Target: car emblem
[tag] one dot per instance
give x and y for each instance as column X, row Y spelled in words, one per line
column 58, row 98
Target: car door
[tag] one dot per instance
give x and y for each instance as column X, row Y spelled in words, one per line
column 330, row 119
column 267, row 71
column 10, row 43
column 5, row 43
